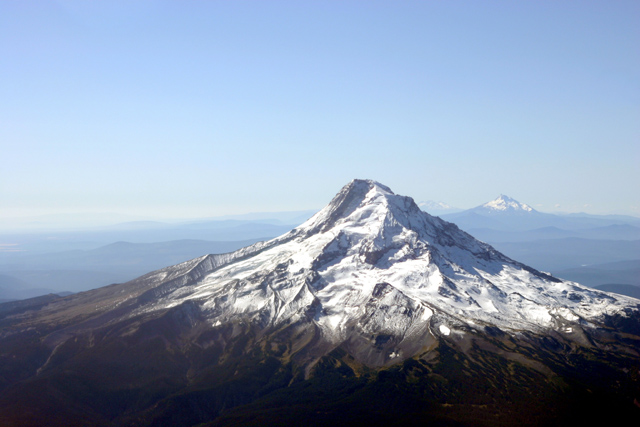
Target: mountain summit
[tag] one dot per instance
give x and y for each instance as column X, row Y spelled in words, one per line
column 369, row 284
column 503, row 213
column 437, row 208
column 506, row 204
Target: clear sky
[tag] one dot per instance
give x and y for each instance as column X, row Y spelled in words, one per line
column 205, row 108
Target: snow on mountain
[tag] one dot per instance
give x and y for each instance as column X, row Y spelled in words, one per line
column 505, row 204
column 372, row 261
column 437, row 208
column 505, row 213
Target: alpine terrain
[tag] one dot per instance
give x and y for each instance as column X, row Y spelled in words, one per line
column 506, row 213
column 370, row 313
column 599, row 251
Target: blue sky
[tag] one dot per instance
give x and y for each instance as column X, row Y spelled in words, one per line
column 195, row 109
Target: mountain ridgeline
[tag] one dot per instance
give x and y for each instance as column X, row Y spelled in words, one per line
column 372, row 312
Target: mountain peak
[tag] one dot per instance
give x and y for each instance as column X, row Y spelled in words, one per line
column 505, row 203
column 360, row 190
column 360, row 201
column 437, row 208
column 370, row 183
column 357, row 192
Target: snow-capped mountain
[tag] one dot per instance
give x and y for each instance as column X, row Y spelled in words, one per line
column 506, row 214
column 373, row 261
column 437, row 208
column 370, row 282
column 505, row 204
column 550, row 242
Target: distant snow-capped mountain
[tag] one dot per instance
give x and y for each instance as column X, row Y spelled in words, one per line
column 437, row 208
column 504, row 204
column 507, row 214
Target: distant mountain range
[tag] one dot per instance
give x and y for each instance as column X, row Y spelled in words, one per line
column 81, row 270
column 38, row 263
column 507, row 214
column 570, row 246
column 437, row 208
column 56, row 223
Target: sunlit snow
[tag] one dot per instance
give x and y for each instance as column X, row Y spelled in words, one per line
column 373, row 259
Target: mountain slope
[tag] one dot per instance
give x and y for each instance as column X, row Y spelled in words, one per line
column 370, row 296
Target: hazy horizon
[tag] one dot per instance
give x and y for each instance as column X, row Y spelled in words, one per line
column 88, row 220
